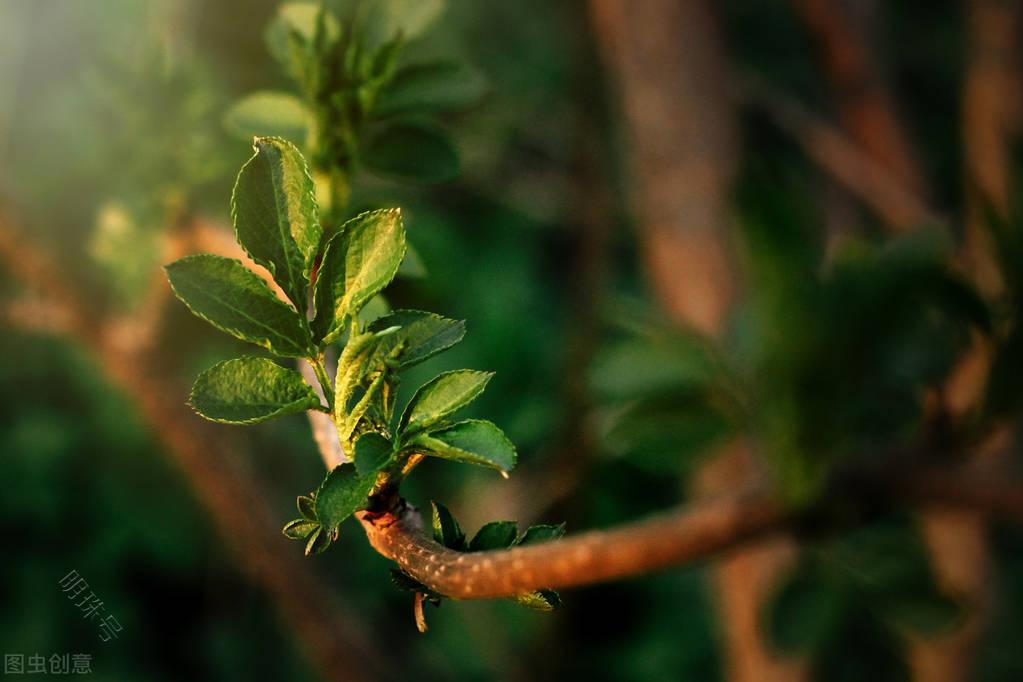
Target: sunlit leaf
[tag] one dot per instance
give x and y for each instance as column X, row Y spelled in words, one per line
column 357, row 264
column 472, row 441
column 250, row 390
column 275, row 215
column 441, row 397
column 235, row 300
column 421, row 335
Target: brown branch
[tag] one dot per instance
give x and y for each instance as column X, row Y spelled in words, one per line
column 698, row 531
column 322, row 626
column 682, row 535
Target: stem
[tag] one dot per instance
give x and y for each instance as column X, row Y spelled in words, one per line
column 321, row 375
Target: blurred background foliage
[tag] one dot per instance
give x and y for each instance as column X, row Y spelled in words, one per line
column 119, row 118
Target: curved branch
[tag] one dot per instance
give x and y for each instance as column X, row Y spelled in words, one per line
column 673, row 537
column 689, row 533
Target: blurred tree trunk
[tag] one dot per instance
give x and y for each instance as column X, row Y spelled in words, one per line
column 682, row 149
column 958, row 540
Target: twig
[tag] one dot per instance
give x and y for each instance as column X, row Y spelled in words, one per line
column 683, row 535
column 690, row 533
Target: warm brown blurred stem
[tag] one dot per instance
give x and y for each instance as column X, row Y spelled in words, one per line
column 681, row 147
column 322, row 627
column 866, row 108
column 734, row 523
column 681, row 132
column 958, row 540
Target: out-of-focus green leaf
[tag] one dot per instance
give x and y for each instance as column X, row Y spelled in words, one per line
column 412, row 267
column 250, row 390
column 297, row 19
column 386, row 18
column 429, row 88
column 235, row 300
column 923, row 613
column 803, row 613
column 268, row 113
column 473, row 441
column 442, row 396
column 640, row 367
column 494, row 535
column 412, row 153
column 446, row 530
column 275, row 215
column 342, row 493
column 357, row 264
column 421, row 334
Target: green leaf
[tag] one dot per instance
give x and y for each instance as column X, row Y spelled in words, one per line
column 352, row 367
column 442, row 396
column 342, row 493
column 268, row 113
column 386, row 18
column 472, row 441
column 494, row 535
column 412, row 153
column 299, row 529
column 275, row 215
column 423, row 335
column 357, row 264
column 541, row 533
column 306, row 507
column 446, row 530
column 250, row 390
column 541, row 600
column 319, row 540
column 429, row 88
column 235, row 300
column 372, row 452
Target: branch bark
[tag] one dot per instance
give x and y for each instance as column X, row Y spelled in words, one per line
column 702, row 530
